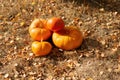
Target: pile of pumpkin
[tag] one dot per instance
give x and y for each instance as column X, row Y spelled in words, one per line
column 66, row 38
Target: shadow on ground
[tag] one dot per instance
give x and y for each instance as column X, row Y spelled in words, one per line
column 89, row 43
column 108, row 5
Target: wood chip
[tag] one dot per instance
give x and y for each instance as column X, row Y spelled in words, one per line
column 6, row 75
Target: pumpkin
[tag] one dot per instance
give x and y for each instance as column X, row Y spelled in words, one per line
column 37, row 23
column 41, row 48
column 68, row 38
column 38, row 31
column 55, row 24
column 44, row 22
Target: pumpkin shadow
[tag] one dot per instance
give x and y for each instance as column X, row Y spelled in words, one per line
column 56, row 54
column 90, row 43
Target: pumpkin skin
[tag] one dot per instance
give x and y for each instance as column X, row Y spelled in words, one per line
column 68, row 38
column 44, row 21
column 40, row 34
column 37, row 23
column 41, row 48
column 55, row 24
column 38, row 31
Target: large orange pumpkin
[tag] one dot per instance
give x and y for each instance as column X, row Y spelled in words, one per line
column 38, row 30
column 55, row 24
column 41, row 48
column 69, row 38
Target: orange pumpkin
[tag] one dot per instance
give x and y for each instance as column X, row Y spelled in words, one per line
column 44, row 22
column 41, row 48
column 38, row 31
column 55, row 24
column 69, row 38
column 37, row 23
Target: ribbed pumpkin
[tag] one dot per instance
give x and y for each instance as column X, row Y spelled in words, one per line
column 41, row 48
column 38, row 31
column 68, row 38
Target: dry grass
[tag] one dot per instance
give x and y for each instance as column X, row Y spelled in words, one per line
column 97, row 59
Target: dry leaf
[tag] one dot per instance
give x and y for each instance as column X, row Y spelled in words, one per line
column 22, row 23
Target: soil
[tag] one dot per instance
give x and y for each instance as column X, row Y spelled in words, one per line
column 98, row 58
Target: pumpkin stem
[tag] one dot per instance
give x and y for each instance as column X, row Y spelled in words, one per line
column 41, row 36
column 41, row 40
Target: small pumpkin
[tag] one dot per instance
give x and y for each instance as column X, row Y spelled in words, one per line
column 36, row 23
column 41, row 48
column 38, row 31
column 68, row 38
column 55, row 24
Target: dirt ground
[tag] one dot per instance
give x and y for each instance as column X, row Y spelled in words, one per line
column 98, row 58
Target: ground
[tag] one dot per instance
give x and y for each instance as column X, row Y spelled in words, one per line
column 98, row 58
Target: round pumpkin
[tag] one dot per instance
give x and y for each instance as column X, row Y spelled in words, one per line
column 68, row 38
column 37, row 23
column 38, row 30
column 55, row 24
column 41, row 48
